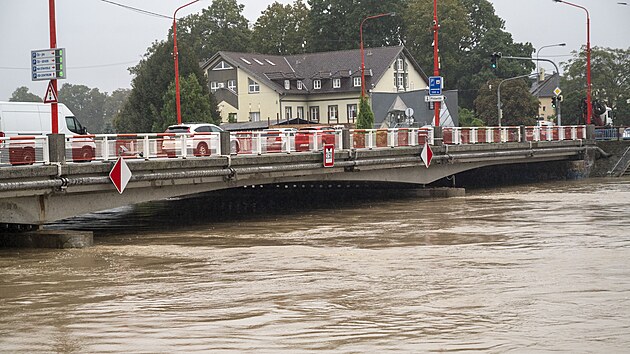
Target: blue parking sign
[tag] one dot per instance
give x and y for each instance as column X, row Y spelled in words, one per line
column 435, row 85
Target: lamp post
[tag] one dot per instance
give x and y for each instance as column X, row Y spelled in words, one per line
column 175, row 56
column 362, row 53
column 436, row 59
column 547, row 46
column 589, row 108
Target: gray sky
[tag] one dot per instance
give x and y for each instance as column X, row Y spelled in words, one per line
column 103, row 40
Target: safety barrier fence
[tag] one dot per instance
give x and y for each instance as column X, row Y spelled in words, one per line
column 612, row 133
column 105, row 147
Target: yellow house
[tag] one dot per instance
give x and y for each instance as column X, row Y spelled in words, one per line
column 320, row 87
column 543, row 90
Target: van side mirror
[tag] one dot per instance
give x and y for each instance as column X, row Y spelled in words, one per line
column 84, row 131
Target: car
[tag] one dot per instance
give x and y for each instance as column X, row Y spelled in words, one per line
column 202, row 140
column 314, row 137
column 279, row 139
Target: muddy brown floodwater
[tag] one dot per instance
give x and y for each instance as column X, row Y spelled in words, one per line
column 533, row 268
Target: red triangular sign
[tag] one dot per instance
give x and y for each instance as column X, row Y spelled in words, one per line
column 427, row 155
column 51, row 95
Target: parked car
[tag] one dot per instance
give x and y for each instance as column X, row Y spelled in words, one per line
column 307, row 137
column 279, row 139
column 202, row 141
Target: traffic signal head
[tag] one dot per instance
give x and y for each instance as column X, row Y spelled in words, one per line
column 560, row 98
column 554, row 101
column 494, row 58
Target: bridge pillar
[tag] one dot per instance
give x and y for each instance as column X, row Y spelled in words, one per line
column 523, row 136
column 57, row 148
column 345, row 139
column 438, row 136
column 224, row 140
column 590, row 132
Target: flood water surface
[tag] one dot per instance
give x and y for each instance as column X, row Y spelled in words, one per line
column 534, row 268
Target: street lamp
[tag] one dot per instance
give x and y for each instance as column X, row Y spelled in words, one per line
column 547, row 46
column 589, row 108
column 175, row 56
column 362, row 54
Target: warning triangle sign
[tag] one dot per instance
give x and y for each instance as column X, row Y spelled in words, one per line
column 51, row 95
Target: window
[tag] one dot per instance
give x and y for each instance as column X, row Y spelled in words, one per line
column 232, row 85
column 254, row 116
column 246, row 61
column 352, row 113
column 270, row 62
column 401, row 82
column 214, row 86
column 357, row 81
column 287, row 84
column 222, row 66
column 314, row 114
column 400, row 64
column 288, row 113
column 258, row 61
column 336, row 83
column 254, row 87
column 300, row 84
column 333, row 113
column 232, row 118
column 300, row 112
column 317, row 84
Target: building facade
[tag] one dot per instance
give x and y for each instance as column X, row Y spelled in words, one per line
column 319, row 87
column 543, row 90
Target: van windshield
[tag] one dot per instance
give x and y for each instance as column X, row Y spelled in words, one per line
column 74, row 125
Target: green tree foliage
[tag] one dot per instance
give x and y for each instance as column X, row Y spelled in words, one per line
column 197, row 106
column 113, row 105
column 153, row 75
column 519, row 106
column 467, row 119
column 281, row 29
column 470, row 32
column 335, row 24
column 21, row 94
column 365, row 119
column 610, row 77
column 221, row 26
column 87, row 104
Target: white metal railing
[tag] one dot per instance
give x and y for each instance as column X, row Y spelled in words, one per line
column 18, row 150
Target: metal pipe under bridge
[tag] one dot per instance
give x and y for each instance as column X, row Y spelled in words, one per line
column 45, row 190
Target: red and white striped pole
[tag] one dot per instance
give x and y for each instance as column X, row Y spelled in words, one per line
column 53, row 44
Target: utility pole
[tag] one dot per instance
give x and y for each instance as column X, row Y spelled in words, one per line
column 54, row 109
column 436, row 59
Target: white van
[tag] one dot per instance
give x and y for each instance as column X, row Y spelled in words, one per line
column 34, row 119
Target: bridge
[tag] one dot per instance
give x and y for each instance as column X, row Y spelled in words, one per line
column 61, row 181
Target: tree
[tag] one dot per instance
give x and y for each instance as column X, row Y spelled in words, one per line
column 281, row 30
column 21, row 94
column 221, row 26
column 87, row 104
column 196, row 105
column 335, row 24
column 519, row 106
column 610, row 77
column 153, row 75
column 365, row 119
column 113, row 105
column 467, row 119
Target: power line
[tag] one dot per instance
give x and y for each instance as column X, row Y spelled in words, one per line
column 135, row 9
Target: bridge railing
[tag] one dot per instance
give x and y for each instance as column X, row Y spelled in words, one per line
column 24, row 150
column 262, row 142
column 395, row 137
column 480, row 135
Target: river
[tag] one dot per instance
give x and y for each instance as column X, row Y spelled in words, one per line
column 531, row 268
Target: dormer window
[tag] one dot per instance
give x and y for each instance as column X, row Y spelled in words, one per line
column 222, row 66
column 357, row 81
column 300, row 85
column 336, row 83
column 287, row 84
column 317, row 84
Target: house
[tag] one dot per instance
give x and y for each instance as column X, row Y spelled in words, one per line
column 543, row 90
column 318, row 87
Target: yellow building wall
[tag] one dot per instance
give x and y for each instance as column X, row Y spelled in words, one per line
column 387, row 81
column 323, row 101
column 545, row 110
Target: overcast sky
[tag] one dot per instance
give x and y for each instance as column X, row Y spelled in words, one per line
column 103, row 40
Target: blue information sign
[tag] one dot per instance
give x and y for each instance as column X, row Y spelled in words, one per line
column 435, row 85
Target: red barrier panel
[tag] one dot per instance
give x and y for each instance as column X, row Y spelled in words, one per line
column 481, row 136
column 403, row 137
column 22, row 153
column 465, row 136
column 358, row 139
column 529, row 134
column 567, row 133
column 423, row 136
column 556, row 133
column 381, row 138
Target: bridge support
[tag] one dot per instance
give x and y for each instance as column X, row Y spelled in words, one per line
column 59, row 239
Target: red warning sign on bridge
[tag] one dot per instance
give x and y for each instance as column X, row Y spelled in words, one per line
column 427, row 154
column 329, row 155
column 120, row 175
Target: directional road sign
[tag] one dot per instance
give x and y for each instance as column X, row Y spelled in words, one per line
column 48, row 64
column 120, row 175
column 438, row 98
column 435, row 85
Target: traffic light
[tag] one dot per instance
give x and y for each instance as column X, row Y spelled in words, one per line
column 554, row 101
column 494, row 58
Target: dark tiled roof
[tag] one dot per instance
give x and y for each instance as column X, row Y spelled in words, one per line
column 546, row 87
column 272, row 70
